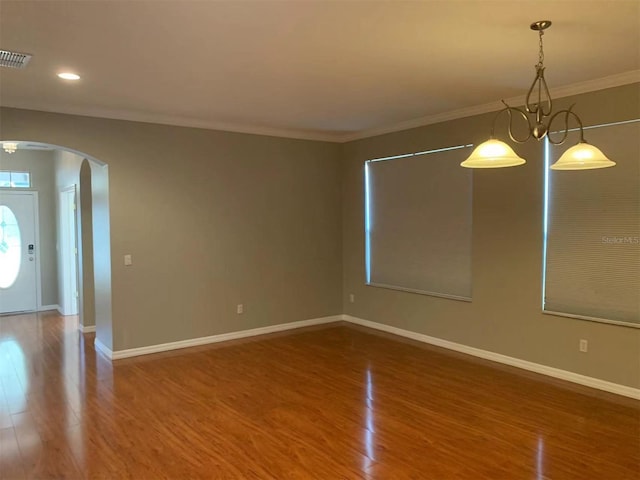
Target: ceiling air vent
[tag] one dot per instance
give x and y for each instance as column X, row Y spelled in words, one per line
column 13, row 59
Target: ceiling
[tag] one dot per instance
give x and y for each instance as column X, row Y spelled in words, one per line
column 331, row 70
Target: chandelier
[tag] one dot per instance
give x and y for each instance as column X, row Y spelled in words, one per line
column 9, row 147
column 538, row 114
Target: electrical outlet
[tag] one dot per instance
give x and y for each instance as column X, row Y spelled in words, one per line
column 352, row 298
column 128, row 261
column 240, row 309
column 584, row 346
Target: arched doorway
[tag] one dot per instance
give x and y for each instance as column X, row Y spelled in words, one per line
column 80, row 184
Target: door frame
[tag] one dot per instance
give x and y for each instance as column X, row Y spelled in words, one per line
column 36, row 221
column 64, row 309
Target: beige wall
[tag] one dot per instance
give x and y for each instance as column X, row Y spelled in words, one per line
column 41, row 166
column 505, row 315
column 87, row 297
column 106, row 329
column 68, row 173
column 212, row 219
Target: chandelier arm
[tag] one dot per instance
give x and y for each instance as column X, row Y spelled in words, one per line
column 527, row 104
column 543, row 91
column 547, row 94
column 566, row 113
column 510, row 111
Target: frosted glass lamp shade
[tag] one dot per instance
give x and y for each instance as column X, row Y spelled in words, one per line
column 493, row 154
column 582, row 157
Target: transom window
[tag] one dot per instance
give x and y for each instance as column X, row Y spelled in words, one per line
column 10, row 179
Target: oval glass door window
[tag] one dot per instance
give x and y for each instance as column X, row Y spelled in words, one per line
column 10, row 247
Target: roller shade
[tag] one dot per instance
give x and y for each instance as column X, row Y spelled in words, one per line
column 593, row 236
column 418, row 225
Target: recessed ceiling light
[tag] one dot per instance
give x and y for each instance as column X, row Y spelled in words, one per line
column 69, row 76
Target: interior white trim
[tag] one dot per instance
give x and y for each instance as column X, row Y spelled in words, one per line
column 47, row 308
column 39, row 249
column 193, row 342
column 86, row 329
column 591, row 319
column 504, row 359
column 179, row 121
column 64, row 254
column 419, row 292
column 476, row 352
column 625, row 78
column 102, row 348
column 617, row 80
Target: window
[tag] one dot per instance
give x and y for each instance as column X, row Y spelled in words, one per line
column 10, row 247
column 592, row 232
column 15, row 179
column 418, row 223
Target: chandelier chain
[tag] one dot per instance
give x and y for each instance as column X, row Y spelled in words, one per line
column 541, row 53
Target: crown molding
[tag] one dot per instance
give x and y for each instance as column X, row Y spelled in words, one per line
column 611, row 81
column 179, row 121
column 617, row 80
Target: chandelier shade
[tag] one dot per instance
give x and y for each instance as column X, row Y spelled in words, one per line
column 582, row 156
column 493, row 154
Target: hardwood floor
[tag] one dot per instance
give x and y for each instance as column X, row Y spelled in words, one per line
column 336, row 402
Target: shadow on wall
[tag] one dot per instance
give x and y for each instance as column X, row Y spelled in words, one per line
column 90, row 178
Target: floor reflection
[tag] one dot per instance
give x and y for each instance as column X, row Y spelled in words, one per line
column 13, row 372
column 540, row 459
column 44, row 378
column 369, row 431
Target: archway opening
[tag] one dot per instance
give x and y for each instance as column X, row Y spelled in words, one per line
column 70, row 247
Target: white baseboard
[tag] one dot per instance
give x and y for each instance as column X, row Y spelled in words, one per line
column 102, row 348
column 193, row 342
column 458, row 347
column 47, row 308
column 497, row 357
column 87, row 328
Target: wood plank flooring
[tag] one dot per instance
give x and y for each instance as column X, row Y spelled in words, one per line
column 333, row 402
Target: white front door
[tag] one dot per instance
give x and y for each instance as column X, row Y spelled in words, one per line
column 17, row 251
